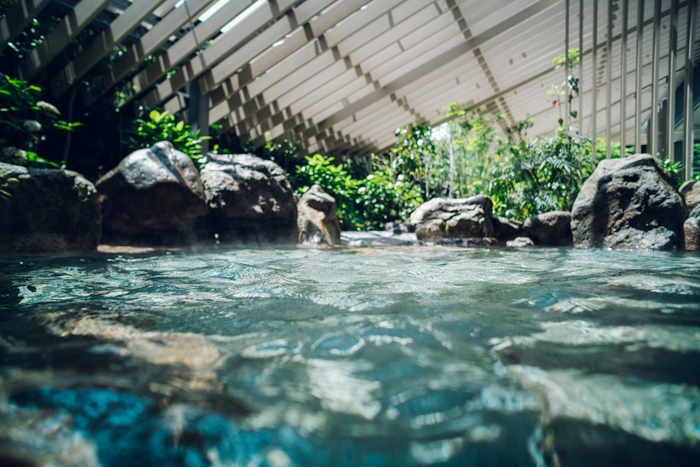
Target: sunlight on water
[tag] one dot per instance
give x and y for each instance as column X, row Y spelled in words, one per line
column 372, row 357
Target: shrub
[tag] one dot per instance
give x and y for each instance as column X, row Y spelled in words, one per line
column 335, row 180
column 365, row 203
column 24, row 118
column 160, row 126
column 544, row 174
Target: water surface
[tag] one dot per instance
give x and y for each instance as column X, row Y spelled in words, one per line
column 403, row 356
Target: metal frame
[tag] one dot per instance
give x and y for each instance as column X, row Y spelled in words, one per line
column 623, row 78
column 638, row 76
column 608, row 82
column 688, row 139
column 656, row 44
column 594, row 80
column 341, row 75
column 671, row 94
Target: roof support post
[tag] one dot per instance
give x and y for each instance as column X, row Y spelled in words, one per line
column 594, row 85
column 608, row 81
column 623, row 78
column 59, row 37
column 638, row 84
column 18, row 18
column 567, row 104
column 580, row 65
column 655, row 55
column 672, row 50
column 688, row 139
column 198, row 109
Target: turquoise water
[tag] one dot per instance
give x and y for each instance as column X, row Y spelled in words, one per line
column 354, row 357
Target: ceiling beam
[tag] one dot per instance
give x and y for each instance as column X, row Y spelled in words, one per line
column 58, row 38
column 147, row 45
column 183, row 48
column 225, row 44
column 17, row 18
column 103, row 44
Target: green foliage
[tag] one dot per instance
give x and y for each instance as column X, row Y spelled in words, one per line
column 362, row 203
column 5, row 5
column 284, row 152
column 574, row 58
column 544, row 174
column 411, row 156
column 160, row 126
column 336, row 181
column 523, row 177
column 223, row 142
column 569, row 88
column 382, row 199
column 674, row 170
column 24, row 118
column 470, row 142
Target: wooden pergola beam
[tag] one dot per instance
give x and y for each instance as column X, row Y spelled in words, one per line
column 183, row 48
column 59, row 37
column 360, row 55
column 257, row 65
column 18, row 18
column 236, row 42
column 103, row 44
column 316, row 55
column 174, row 20
column 432, row 67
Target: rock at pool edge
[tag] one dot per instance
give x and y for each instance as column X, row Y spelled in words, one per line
column 453, row 218
column 629, row 203
column 46, row 211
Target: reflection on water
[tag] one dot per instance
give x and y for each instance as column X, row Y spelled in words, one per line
column 382, row 357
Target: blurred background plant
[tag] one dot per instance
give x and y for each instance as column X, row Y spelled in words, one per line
column 363, row 203
column 25, row 119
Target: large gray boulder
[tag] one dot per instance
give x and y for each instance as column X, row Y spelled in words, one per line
column 153, row 196
column 250, row 199
column 317, row 218
column 47, row 211
column 506, row 229
column 453, row 218
column 691, row 229
column 549, row 229
column 629, row 203
column 690, row 191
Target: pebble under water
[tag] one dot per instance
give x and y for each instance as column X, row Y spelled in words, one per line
column 353, row 357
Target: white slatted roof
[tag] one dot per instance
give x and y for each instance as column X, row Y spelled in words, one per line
column 339, row 76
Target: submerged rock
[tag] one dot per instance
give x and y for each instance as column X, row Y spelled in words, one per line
column 550, row 229
column 691, row 229
column 479, row 242
column 690, row 191
column 629, row 203
column 398, row 228
column 520, row 242
column 250, row 199
column 378, row 238
column 317, row 218
column 506, row 229
column 453, row 218
column 153, row 196
column 47, row 211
